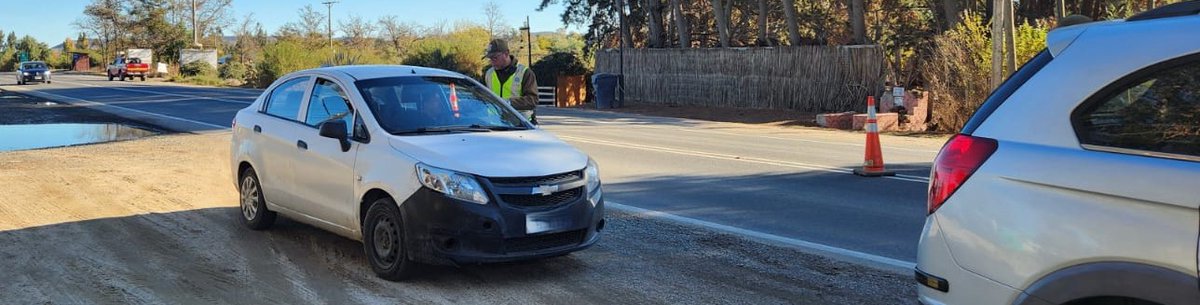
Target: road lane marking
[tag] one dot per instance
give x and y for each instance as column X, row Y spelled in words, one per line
column 811, row 247
column 832, row 169
column 97, row 104
column 163, row 93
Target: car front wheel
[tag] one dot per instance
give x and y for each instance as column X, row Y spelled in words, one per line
column 254, row 209
column 384, row 242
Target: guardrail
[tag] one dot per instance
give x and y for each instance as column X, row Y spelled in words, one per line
column 546, row 96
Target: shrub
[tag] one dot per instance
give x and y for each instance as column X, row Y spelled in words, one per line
column 233, row 70
column 957, row 71
column 563, row 63
column 197, row 68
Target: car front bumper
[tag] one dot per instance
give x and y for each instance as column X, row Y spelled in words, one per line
column 446, row 231
column 35, row 78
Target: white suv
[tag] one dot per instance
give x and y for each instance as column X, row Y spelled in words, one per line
column 421, row 165
column 1076, row 182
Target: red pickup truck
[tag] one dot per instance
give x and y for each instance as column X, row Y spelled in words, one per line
column 122, row 68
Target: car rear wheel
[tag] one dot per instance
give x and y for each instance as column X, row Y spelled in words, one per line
column 254, row 209
column 384, row 242
column 143, row 77
column 122, row 76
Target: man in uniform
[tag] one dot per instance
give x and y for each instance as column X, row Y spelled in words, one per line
column 510, row 80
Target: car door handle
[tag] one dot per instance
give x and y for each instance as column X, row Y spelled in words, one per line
column 257, row 128
column 302, row 145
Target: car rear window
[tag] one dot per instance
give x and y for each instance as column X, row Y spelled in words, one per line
column 1006, row 89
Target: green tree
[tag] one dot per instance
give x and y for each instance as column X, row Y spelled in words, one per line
column 150, row 29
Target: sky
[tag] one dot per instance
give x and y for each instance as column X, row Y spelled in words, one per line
column 53, row 24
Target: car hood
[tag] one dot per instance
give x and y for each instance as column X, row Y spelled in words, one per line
column 525, row 153
column 35, row 70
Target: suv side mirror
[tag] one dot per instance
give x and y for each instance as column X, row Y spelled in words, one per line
column 336, row 129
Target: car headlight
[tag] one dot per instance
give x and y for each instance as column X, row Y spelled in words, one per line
column 25, row 73
column 592, row 174
column 454, row 184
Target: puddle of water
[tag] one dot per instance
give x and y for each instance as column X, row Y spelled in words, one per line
column 22, row 137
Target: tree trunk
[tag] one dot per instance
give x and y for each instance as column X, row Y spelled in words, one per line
column 681, row 24
column 763, row 40
column 789, row 11
column 1060, row 9
column 951, row 8
column 626, row 37
column 654, row 9
column 997, row 42
column 721, row 12
column 858, row 21
column 1010, row 44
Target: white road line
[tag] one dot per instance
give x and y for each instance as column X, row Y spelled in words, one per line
column 831, row 169
column 96, row 104
column 821, row 249
column 162, row 93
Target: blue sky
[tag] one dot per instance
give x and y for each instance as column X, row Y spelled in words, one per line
column 52, row 22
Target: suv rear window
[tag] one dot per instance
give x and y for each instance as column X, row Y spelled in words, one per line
column 1006, row 89
column 1154, row 110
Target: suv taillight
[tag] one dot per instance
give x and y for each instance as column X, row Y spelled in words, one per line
column 961, row 156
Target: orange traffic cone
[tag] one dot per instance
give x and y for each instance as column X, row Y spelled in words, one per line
column 873, row 162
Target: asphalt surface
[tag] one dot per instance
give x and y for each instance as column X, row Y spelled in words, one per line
column 789, row 185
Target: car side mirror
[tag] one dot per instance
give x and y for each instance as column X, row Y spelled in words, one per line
column 336, row 129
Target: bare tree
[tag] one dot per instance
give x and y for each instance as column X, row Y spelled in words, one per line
column 398, row 34
column 654, row 10
column 103, row 20
column 495, row 23
column 358, row 31
column 681, row 24
column 311, row 25
column 722, row 10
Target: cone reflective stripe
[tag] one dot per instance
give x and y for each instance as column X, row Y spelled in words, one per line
column 873, row 161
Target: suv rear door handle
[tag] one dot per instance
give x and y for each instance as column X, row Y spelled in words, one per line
column 302, row 145
column 257, row 128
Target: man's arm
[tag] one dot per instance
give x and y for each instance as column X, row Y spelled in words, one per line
column 529, row 94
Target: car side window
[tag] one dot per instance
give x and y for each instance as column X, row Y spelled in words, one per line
column 1155, row 112
column 285, row 100
column 329, row 102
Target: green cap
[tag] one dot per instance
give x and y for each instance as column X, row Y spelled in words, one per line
column 496, row 46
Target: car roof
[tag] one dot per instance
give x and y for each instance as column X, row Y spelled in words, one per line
column 363, row 72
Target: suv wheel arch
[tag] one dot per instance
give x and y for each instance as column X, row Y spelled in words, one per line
column 1116, row 279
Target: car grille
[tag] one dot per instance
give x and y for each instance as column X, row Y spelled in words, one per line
column 547, row 241
column 539, row 200
column 551, row 179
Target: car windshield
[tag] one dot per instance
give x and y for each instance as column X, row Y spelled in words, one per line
column 33, row 65
column 419, row 105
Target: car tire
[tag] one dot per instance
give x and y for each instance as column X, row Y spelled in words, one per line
column 110, row 76
column 122, row 75
column 143, row 78
column 253, row 206
column 384, row 241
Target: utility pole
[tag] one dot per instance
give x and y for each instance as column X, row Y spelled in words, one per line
column 329, row 23
column 529, row 40
column 997, row 42
column 195, row 30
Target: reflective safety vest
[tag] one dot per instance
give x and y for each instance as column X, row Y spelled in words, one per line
column 513, row 83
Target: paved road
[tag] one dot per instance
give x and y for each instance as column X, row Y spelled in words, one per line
column 789, row 185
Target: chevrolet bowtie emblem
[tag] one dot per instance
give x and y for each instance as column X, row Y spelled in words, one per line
column 545, row 190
